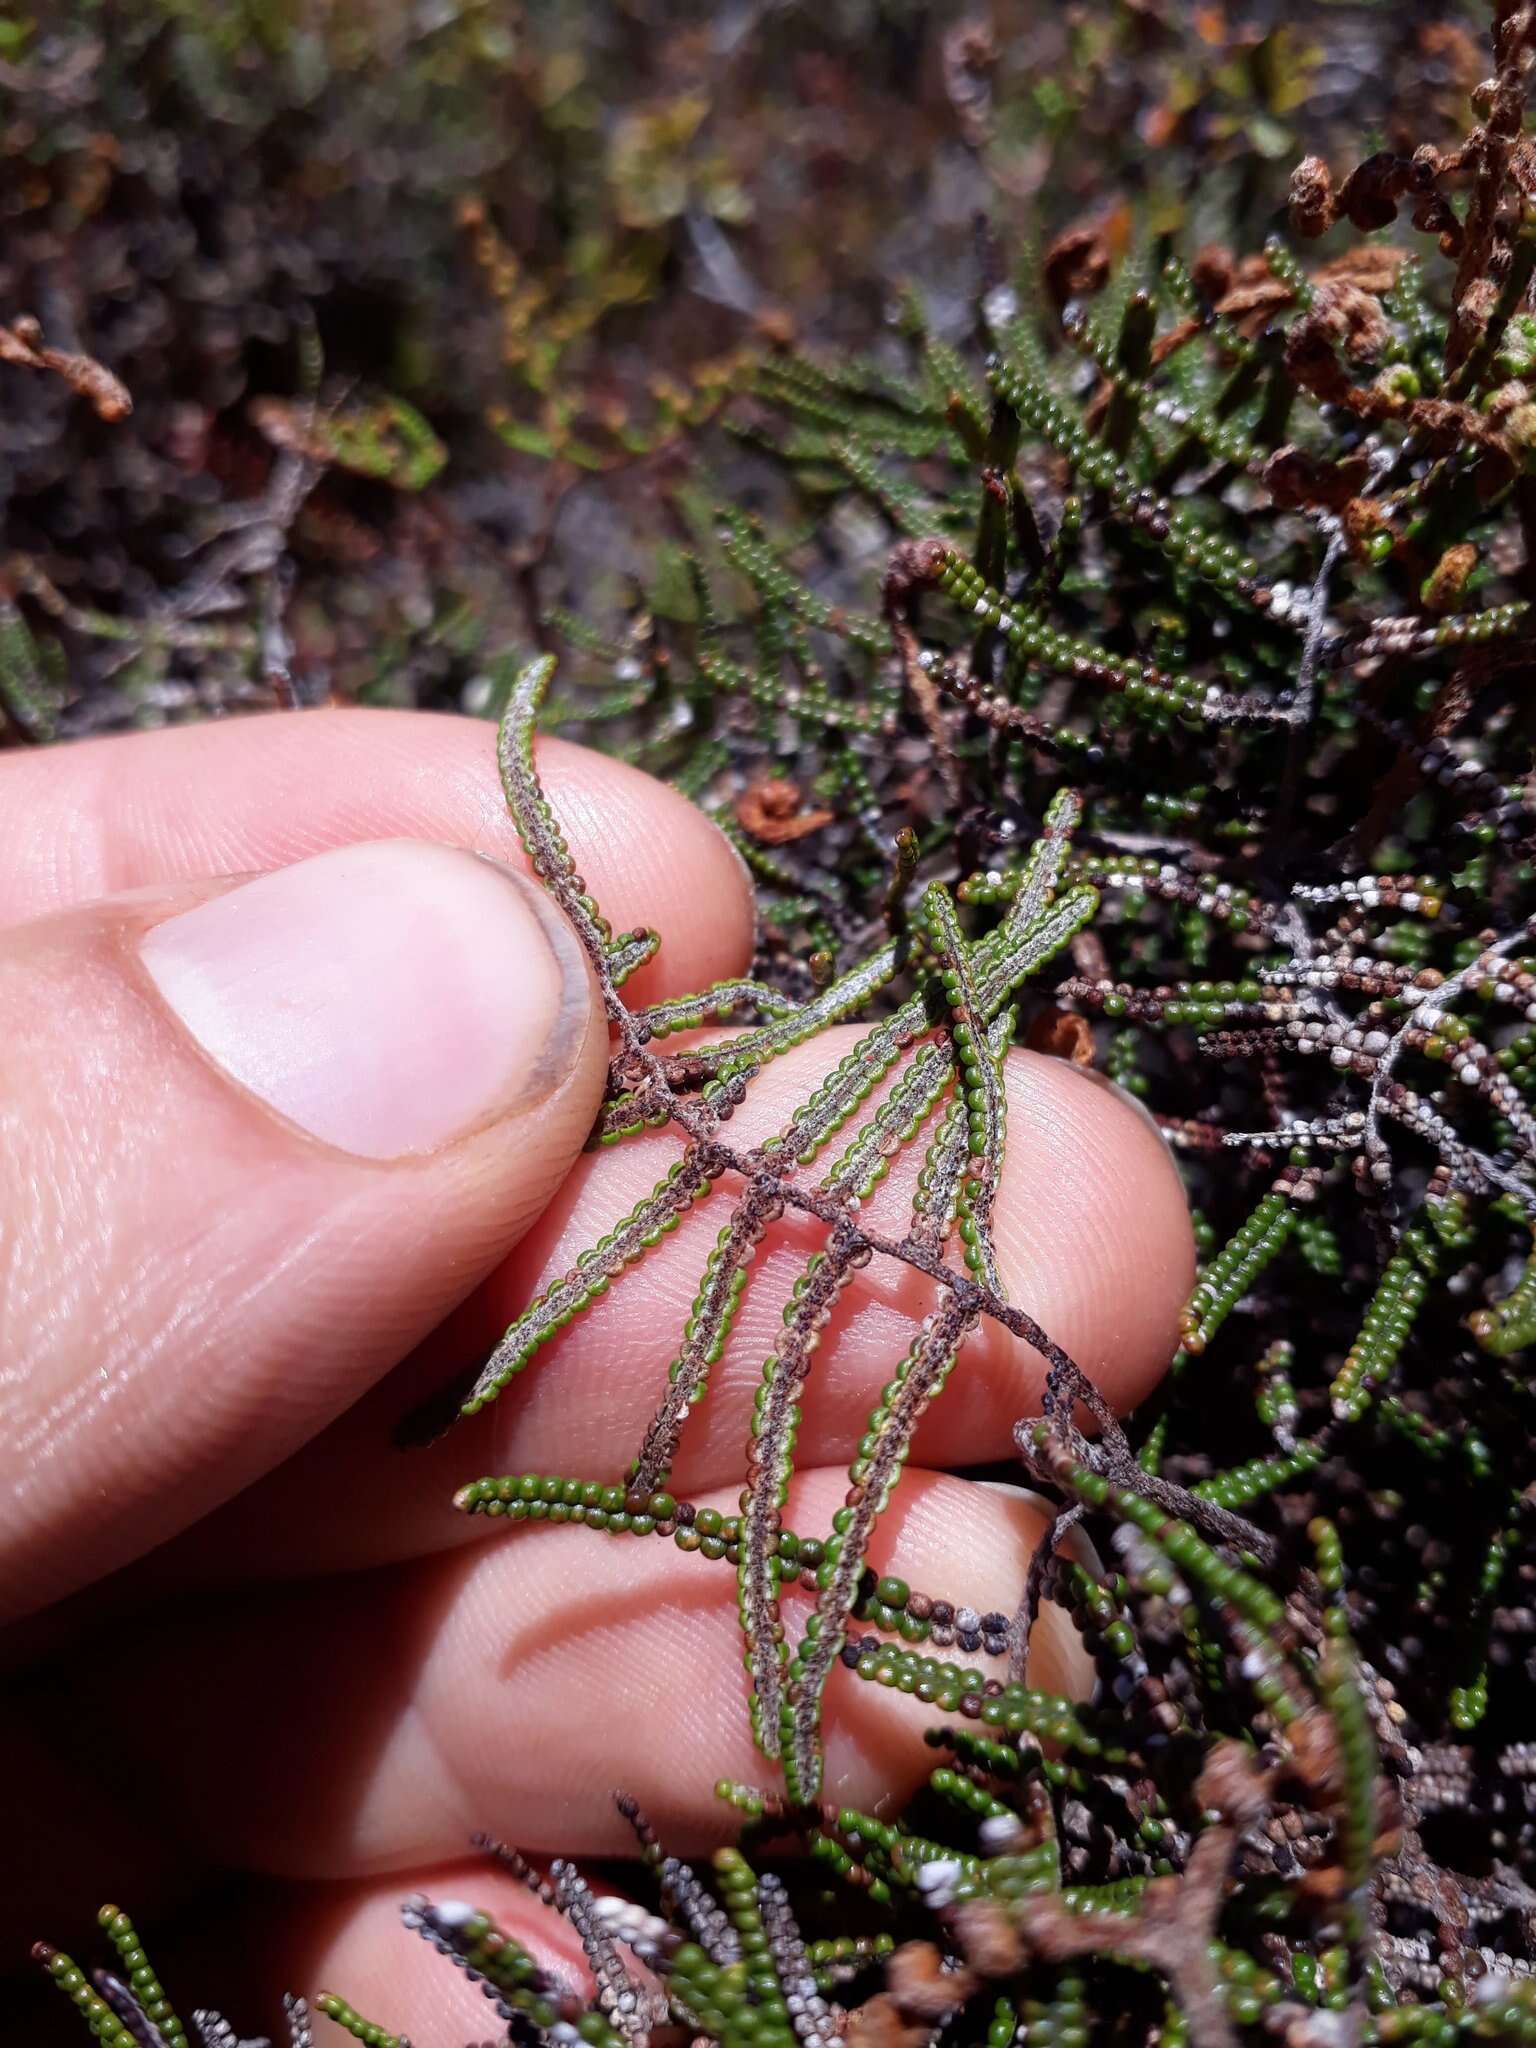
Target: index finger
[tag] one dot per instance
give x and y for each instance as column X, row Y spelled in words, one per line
column 248, row 794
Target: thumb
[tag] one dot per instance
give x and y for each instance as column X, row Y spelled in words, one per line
column 256, row 1138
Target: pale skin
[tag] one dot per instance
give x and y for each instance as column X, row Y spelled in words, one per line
column 213, row 1317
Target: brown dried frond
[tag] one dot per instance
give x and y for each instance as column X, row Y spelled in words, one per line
column 1297, row 480
column 880, row 2023
column 1312, row 203
column 1063, row 1035
column 1490, row 154
column 1372, row 266
column 970, row 57
column 1369, row 196
column 1343, row 314
column 1253, row 290
column 1363, row 520
column 1443, row 424
column 921, row 1985
column 1211, row 270
column 911, row 567
column 1232, row 1784
column 1171, row 1928
column 1079, row 260
column 769, row 809
column 988, row 1938
column 22, row 342
column 1447, row 581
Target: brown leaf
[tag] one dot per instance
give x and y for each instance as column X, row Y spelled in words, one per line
column 22, row 342
column 1369, row 195
column 769, row 810
column 920, row 1984
column 1212, row 270
column 1295, row 479
column 1315, row 1758
column 988, row 1939
column 970, row 54
column 878, row 2023
column 1078, row 261
column 1313, row 207
column 1232, row 1783
column 1373, row 266
column 1446, row 582
column 1061, row 1035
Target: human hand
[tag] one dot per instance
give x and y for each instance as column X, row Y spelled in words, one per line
column 277, row 1155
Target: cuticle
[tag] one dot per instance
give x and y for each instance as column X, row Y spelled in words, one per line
column 558, row 1055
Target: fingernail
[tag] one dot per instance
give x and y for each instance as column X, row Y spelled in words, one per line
column 387, row 998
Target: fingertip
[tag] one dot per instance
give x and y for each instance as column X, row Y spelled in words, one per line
column 527, row 1683
column 534, row 1630
column 680, row 875
column 350, row 1939
column 243, row 795
column 1092, row 1222
column 400, row 1046
column 955, row 1541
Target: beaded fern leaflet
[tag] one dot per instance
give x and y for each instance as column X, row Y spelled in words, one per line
column 941, row 1052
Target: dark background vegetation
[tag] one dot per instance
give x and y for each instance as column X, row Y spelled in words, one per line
column 552, row 229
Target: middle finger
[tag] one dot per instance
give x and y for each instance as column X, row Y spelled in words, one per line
column 516, row 1688
column 1093, row 1239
